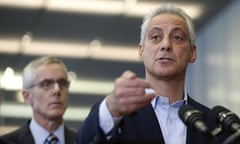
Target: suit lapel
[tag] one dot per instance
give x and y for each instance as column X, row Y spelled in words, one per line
column 189, row 134
column 147, row 126
column 70, row 136
column 25, row 135
column 192, row 135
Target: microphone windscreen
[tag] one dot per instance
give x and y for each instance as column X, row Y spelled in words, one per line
column 217, row 111
column 189, row 115
column 227, row 119
column 182, row 111
column 193, row 118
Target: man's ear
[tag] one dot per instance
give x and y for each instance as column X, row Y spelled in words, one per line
column 193, row 54
column 140, row 52
column 27, row 97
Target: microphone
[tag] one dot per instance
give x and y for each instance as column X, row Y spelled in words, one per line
column 227, row 119
column 193, row 118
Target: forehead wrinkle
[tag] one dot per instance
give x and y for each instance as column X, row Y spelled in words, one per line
column 176, row 29
column 168, row 19
column 155, row 28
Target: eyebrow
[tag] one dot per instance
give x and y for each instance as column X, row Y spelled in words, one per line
column 178, row 29
column 173, row 30
column 155, row 28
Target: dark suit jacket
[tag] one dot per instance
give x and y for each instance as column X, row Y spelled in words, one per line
column 141, row 127
column 23, row 135
column 3, row 141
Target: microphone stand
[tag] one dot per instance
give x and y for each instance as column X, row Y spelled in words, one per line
column 232, row 139
column 214, row 134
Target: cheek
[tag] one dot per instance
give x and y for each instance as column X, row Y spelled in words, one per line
column 150, row 52
column 183, row 53
column 38, row 101
column 64, row 97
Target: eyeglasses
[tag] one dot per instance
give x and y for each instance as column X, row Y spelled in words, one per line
column 49, row 83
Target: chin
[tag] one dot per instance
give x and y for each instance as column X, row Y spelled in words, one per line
column 55, row 116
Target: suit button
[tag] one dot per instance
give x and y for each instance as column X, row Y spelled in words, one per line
column 109, row 137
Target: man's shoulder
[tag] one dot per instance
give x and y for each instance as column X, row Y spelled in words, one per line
column 16, row 132
column 198, row 105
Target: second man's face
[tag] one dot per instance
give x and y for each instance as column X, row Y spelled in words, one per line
column 49, row 97
column 166, row 51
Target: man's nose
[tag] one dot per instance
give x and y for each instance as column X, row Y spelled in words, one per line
column 166, row 44
column 56, row 89
column 56, row 86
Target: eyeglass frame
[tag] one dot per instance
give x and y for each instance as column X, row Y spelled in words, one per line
column 48, row 84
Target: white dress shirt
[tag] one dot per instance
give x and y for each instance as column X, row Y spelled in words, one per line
column 173, row 129
column 40, row 134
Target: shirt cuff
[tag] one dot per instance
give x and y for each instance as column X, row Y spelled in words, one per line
column 105, row 118
column 107, row 122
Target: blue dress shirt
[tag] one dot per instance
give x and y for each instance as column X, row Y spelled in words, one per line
column 40, row 134
column 173, row 129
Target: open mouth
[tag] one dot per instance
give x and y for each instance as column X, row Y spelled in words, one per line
column 55, row 104
column 165, row 59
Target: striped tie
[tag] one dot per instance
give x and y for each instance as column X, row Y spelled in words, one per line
column 51, row 139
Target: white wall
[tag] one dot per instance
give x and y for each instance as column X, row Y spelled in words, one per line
column 214, row 79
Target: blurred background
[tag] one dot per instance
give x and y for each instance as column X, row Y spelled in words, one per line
column 98, row 39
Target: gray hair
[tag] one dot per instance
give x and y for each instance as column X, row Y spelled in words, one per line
column 29, row 72
column 168, row 9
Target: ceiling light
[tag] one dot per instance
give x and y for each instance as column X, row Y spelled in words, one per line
column 142, row 8
column 33, row 4
column 95, row 50
column 7, row 79
column 132, row 8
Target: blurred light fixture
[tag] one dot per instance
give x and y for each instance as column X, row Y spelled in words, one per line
column 7, row 77
column 72, row 76
column 132, row 8
column 26, row 41
column 95, row 45
column 33, row 4
column 94, row 50
column 19, row 96
column 9, row 80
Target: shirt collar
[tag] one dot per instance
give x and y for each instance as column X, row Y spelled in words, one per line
column 165, row 100
column 40, row 134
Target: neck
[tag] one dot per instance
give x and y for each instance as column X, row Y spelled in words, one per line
column 173, row 89
column 49, row 124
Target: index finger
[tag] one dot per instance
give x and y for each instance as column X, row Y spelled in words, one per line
column 129, row 75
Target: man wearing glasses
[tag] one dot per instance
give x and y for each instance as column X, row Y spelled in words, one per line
column 45, row 89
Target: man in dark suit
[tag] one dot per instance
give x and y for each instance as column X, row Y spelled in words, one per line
column 145, row 111
column 23, row 135
column 45, row 89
